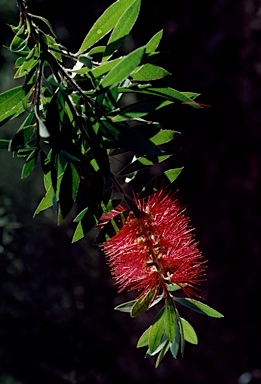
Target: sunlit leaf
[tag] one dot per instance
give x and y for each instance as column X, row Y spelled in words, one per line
column 144, row 339
column 162, row 353
column 198, row 306
column 189, row 333
column 121, row 70
column 167, row 93
column 29, row 63
column 122, row 28
column 164, row 136
column 46, row 202
column 174, row 347
column 11, row 103
column 104, row 24
column 170, row 319
column 105, row 67
column 153, row 43
column 157, row 331
column 30, row 164
column 148, row 72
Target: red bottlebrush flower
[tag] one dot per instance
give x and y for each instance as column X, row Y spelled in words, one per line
column 155, row 248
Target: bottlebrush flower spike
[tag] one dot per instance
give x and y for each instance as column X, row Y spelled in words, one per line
column 156, row 248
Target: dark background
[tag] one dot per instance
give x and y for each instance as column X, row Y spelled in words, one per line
column 57, row 323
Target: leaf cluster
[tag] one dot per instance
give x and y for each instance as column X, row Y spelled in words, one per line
column 76, row 115
column 168, row 331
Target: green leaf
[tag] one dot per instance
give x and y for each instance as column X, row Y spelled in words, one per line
column 174, row 347
column 189, row 333
column 148, row 72
column 170, row 318
column 172, row 174
column 30, row 164
column 153, row 43
column 104, row 24
column 198, row 306
column 164, row 136
column 122, row 28
column 125, row 307
column 142, row 304
column 45, row 21
column 157, row 331
column 173, row 287
column 162, row 353
column 156, row 182
column 46, row 202
column 122, row 70
column 54, row 47
column 144, row 339
column 22, row 137
column 182, row 339
column 29, row 63
column 11, row 103
column 167, row 93
column 105, row 67
column 89, row 220
column 19, row 41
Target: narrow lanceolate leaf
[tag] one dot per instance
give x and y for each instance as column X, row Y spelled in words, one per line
column 22, row 136
column 122, row 70
column 125, row 307
column 174, row 347
column 157, row 331
column 29, row 63
column 167, row 93
column 170, row 319
column 182, row 339
column 164, row 136
column 200, row 307
column 46, row 202
column 153, row 43
column 104, row 24
column 189, row 333
column 148, row 72
column 30, row 164
column 162, row 353
column 144, row 339
column 11, row 103
column 122, row 28
column 142, row 304
column 105, row 67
